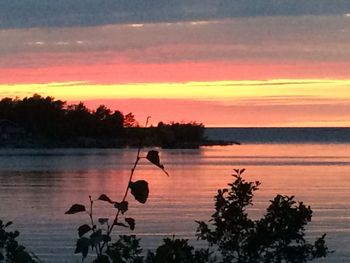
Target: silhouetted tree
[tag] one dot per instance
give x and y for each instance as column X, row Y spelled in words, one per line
column 38, row 114
column 178, row 135
column 277, row 237
column 10, row 250
column 80, row 121
column 52, row 122
column 102, row 112
column 114, row 122
column 129, row 120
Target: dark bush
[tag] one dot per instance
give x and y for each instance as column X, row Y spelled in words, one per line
column 277, row 237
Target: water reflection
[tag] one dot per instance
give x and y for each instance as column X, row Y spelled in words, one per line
column 37, row 187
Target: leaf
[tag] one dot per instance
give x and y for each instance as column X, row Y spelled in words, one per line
column 116, row 223
column 82, row 246
column 102, row 259
column 153, row 157
column 139, row 190
column 241, row 171
column 83, row 230
column 131, row 222
column 8, row 224
column 105, row 198
column 123, row 206
column 15, row 234
column 22, row 256
column 96, row 238
column 103, row 221
column 106, row 238
column 76, row 208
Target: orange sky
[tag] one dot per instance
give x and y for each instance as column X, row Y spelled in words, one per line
column 268, row 71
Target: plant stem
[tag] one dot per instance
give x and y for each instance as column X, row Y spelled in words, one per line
column 98, row 248
column 90, row 214
column 127, row 187
column 125, row 194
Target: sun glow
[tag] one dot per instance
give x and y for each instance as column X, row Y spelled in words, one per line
column 215, row 90
column 277, row 102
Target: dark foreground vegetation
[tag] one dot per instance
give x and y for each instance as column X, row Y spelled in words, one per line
column 45, row 122
column 230, row 234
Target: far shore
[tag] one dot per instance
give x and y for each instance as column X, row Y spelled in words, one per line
column 83, row 142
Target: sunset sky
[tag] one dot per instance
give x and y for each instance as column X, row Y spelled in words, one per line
column 222, row 63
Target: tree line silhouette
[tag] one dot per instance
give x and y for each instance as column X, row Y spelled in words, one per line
column 55, row 123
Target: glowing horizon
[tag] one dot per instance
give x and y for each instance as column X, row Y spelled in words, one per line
column 267, row 70
column 229, row 89
column 269, row 103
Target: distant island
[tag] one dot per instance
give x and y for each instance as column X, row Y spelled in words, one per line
column 44, row 122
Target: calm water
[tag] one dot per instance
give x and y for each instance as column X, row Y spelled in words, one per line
column 280, row 135
column 38, row 186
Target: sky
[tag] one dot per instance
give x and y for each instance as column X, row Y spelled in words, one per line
column 239, row 63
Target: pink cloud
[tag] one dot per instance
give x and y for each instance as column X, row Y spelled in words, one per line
column 175, row 72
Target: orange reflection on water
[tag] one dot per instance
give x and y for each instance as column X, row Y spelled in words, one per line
column 42, row 186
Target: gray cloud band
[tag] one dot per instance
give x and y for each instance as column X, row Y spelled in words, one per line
column 66, row 13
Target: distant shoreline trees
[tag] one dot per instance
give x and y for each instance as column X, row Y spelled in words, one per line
column 46, row 122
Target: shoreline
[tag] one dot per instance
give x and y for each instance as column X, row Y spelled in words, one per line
column 90, row 143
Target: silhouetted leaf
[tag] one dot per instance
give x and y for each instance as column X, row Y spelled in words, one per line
column 22, row 256
column 123, row 206
column 153, row 157
column 102, row 259
column 83, row 230
column 105, row 198
column 103, row 221
column 8, row 224
column 116, row 223
column 96, row 237
column 76, row 208
column 241, row 171
column 131, row 222
column 15, row 234
column 82, row 246
column 106, row 238
column 139, row 190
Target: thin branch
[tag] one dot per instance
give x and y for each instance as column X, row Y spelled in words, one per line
column 127, row 187
column 98, row 248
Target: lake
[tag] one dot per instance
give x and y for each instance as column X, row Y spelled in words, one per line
column 38, row 186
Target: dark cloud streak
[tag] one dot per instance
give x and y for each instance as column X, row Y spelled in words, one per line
column 68, row 13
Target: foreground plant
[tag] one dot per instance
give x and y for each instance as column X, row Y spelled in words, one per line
column 277, row 237
column 98, row 236
column 10, row 250
column 231, row 235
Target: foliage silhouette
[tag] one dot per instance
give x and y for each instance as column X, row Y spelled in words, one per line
column 100, row 237
column 125, row 250
column 231, row 235
column 10, row 250
column 180, row 135
column 178, row 251
column 277, row 237
column 47, row 122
